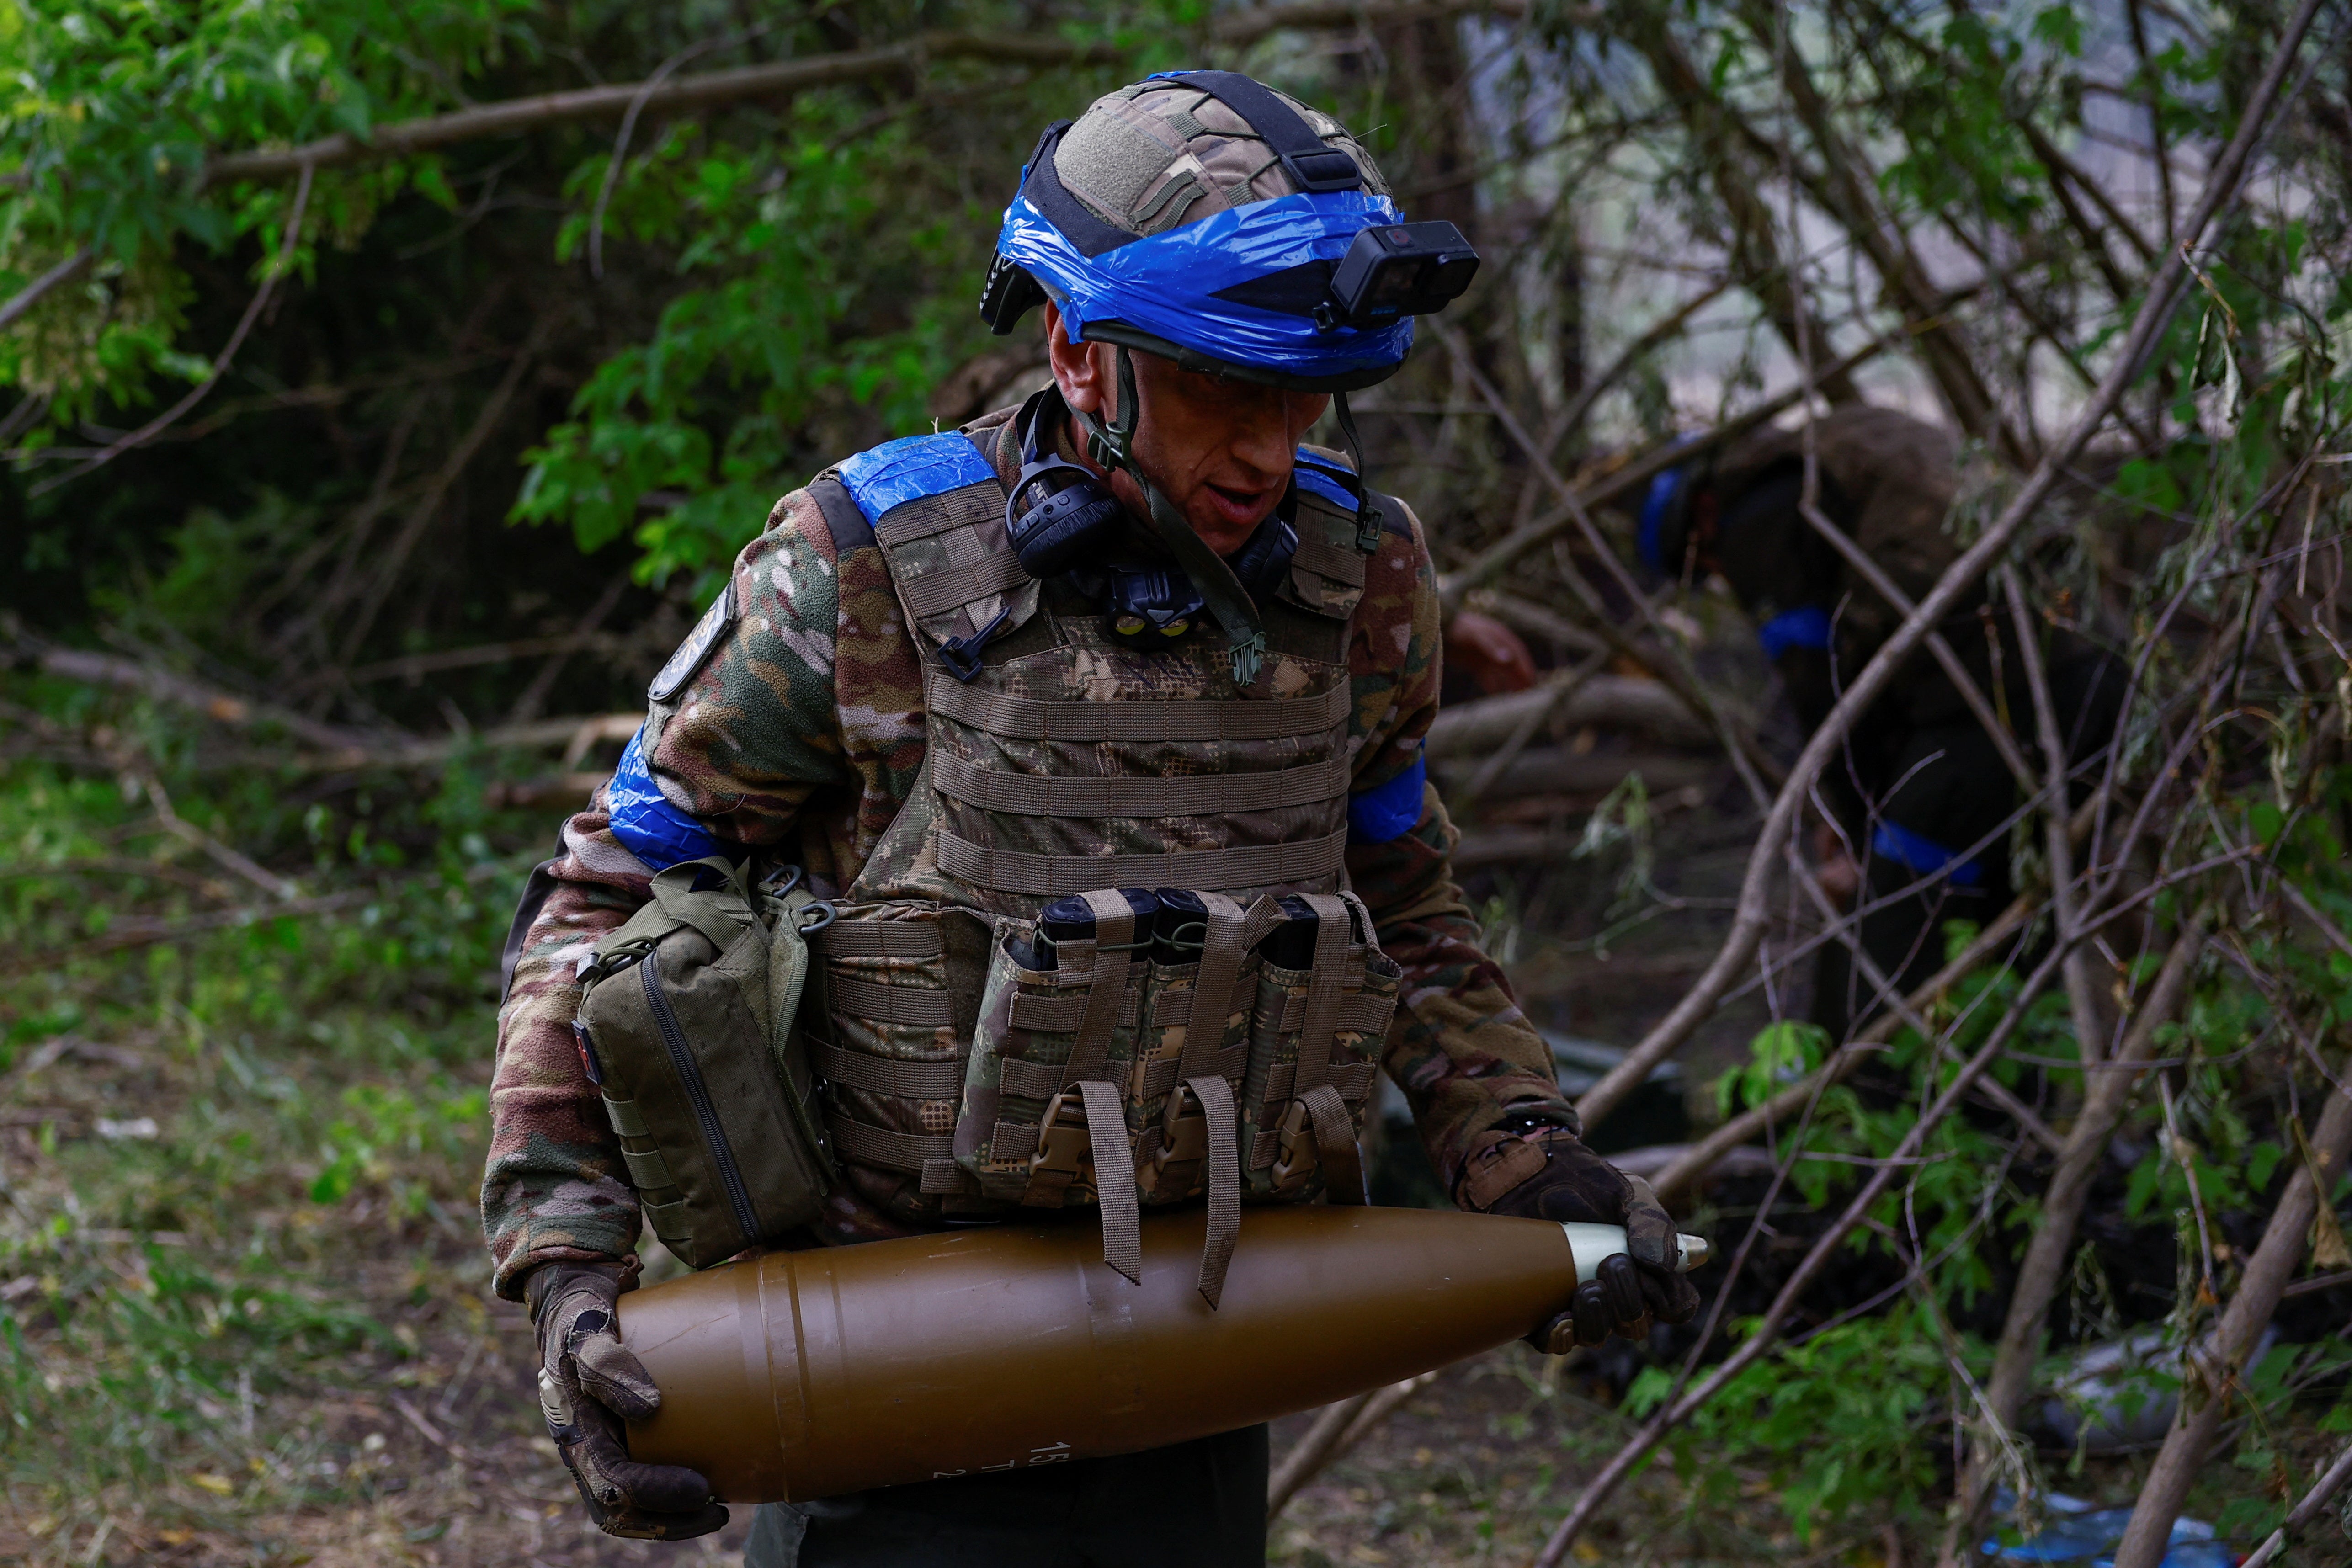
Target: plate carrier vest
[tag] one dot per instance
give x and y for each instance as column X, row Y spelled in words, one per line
column 961, row 1083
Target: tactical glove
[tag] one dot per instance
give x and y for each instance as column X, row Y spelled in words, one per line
column 1533, row 1164
column 589, row 1383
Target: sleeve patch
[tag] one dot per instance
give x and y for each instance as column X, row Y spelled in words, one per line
column 692, row 653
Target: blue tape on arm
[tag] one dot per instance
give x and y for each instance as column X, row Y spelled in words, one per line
column 908, row 469
column 1918, row 852
column 647, row 825
column 1806, row 626
column 1389, row 810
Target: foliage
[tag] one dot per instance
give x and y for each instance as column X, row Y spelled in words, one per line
column 1834, row 1419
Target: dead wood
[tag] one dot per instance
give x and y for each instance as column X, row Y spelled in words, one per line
column 2210, row 1379
column 1623, row 702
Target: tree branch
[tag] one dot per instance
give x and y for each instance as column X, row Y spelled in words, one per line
column 777, row 78
column 65, row 272
column 163, row 422
column 2210, row 1379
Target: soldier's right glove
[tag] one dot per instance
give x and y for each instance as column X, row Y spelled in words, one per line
column 1533, row 1164
column 589, row 1383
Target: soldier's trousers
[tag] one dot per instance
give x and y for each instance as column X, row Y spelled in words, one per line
column 1192, row 1505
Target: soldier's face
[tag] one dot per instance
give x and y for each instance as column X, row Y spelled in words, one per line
column 1219, row 450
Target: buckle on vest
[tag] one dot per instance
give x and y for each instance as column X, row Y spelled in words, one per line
column 1184, row 1146
column 1064, row 1147
column 961, row 655
column 1295, row 1154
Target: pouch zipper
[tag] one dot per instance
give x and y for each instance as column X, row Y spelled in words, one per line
column 689, row 1073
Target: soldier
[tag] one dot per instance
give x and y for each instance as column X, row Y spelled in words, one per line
column 1920, row 800
column 1130, row 634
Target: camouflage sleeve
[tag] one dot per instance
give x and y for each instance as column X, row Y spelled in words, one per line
column 1460, row 1048
column 752, row 733
column 808, row 714
column 555, row 1185
column 805, row 716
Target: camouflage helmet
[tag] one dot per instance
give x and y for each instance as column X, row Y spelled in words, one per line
column 1205, row 217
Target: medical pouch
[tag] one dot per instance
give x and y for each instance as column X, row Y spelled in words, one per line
column 690, row 1026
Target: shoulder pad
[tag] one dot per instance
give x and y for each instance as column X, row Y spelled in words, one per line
column 936, row 506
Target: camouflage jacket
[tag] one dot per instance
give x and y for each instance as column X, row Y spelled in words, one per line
column 805, row 727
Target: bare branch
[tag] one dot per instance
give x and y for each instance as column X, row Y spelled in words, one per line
column 2210, row 1379
column 65, row 272
column 163, row 421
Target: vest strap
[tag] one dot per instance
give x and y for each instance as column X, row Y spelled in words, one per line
column 1114, row 1163
column 1216, row 1097
column 1021, row 718
column 1250, row 865
column 1195, row 795
column 1333, row 923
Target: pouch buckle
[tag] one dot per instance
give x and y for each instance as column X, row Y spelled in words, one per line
column 1296, row 1152
column 1184, row 1146
column 1064, row 1146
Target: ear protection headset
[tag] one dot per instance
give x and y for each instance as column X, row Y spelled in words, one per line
column 1064, row 521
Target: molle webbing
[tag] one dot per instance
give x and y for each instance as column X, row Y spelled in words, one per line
column 946, row 588
column 931, row 1154
column 1319, row 555
column 881, row 1075
column 894, row 1004
column 880, row 939
column 1056, row 876
column 1191, row 795
column 1019, row 718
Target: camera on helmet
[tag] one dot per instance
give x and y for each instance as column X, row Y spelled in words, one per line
column 1398, row 269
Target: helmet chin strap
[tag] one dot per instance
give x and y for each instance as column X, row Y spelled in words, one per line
column 1112, row 448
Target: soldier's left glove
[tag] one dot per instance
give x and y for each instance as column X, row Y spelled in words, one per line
column 589, row 1383
column 1534, row 1165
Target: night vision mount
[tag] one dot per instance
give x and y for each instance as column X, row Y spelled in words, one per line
column 1398, row 269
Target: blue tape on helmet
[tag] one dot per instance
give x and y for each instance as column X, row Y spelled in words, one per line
column 1806, row 626
column 647, row 825
column 1387, row 811
column 1918, row 852
column 910, row 469
column 1167, row 284
column 1650, row 540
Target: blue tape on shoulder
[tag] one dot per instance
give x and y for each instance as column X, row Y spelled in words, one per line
column 1918, row 852
column 1325, row 483
column 1389, row 810
column 910, row 469
column 647, row 825
column 1806, row 626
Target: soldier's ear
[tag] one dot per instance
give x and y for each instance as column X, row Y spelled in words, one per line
column 1078, row 371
